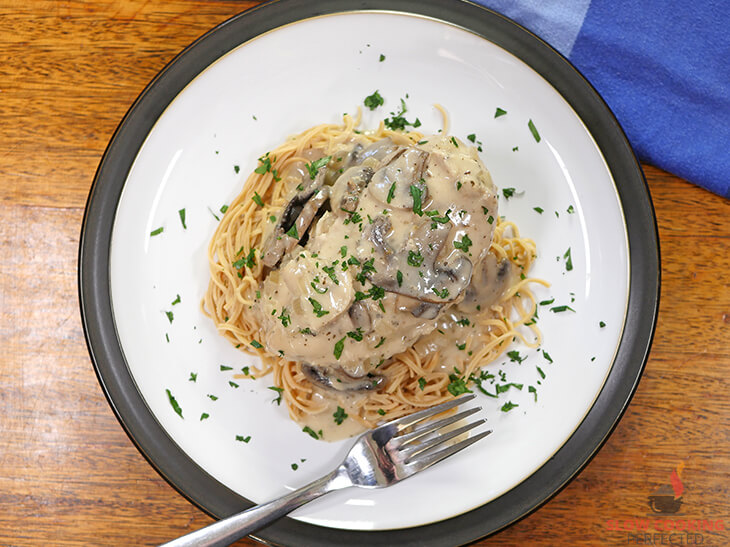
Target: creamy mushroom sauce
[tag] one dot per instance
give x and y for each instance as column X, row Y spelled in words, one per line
column 372, row 254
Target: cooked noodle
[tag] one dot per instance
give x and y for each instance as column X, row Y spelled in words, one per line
column 417, row 377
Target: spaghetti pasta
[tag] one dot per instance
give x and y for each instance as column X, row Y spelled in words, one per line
column 444, row 359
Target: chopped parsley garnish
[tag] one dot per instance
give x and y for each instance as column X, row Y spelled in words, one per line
column 236, row 168
column 421, row 383
column 292, row 232
column 315, row 166
column 508, row 192
column 399, row 278
column 546, row 355
column 224, row 208
column 204, row 416
column 174, row 404
column 373, row 101
column 547, row 302
column 249, row 260
column 381, row 412
column 458, row 385
column 533, row 130
column 181, row 214
column 284, row 318
column 256, row 344
column 343, row 251
column 453, row 141
column 514, row 356
column 570, row 210
column 176, row 301
column 193, row 377
column 311, row 432
column 158, row 231
column 461, row 347
column 245, row 370
column 558, row 309
column 540, row 372
column 339, row 346
column 242, row 439
column 568, row 260
column 391, row 193
column 340, row 415
column 509, row 405
column 444, row 293
column 464, row 244
column 317, row 289
column 356, row 334
column 232, row 384
column 279, row 391
column 272, row 218
column 435, row 218
column 212, row 397
column 501, row 388
column 601, row 324
column 398, row 122
column 367, row 267
column 382, row 339
column 330, row 271
column 532, row 390
column 225, row 368
column 499, row 112
column 415, row 259
column 472, row 137
column 464, row 322
column 257, row 199
column 382, row 58
column 265, row 166
column 170, row 316
column 317, row 308
column 416, row 193
column 539, row 209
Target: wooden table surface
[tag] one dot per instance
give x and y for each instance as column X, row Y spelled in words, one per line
column 69, row 475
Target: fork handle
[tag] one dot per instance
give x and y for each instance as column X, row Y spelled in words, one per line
column 230, row 529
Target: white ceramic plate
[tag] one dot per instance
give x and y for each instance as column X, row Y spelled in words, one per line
column 196, row 157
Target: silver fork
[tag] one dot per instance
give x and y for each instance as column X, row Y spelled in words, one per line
column 380, row 457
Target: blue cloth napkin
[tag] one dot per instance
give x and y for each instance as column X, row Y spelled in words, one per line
column 663, row 67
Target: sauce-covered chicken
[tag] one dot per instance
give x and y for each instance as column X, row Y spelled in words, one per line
column 370, row 252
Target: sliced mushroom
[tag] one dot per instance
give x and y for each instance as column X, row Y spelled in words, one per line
column 429, row 271
column 354, row 181
column 488, row 284
column 418, row 308
column 337, row 379
column 298, row 214
column 378, row 150
column 360, row 316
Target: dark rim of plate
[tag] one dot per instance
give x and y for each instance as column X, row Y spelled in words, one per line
column 213, row 497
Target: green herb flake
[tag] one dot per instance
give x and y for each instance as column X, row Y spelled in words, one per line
column 373, row 101
column 391, row 193
column 279, row 391
column 237, row 169
column 399, row 278
column 257, row 199
column 256, row 344
column 242, row 439
column 225, row 368
column 381, row 412
column 292, row 232
column 317, row 308
column 506, row 407
column 539, row 209
column 181, row 214
column 382, row 340
column 224, row 208
column 212, row 397
column 233, row 384
column 416, row 193
column 204, row 416
column 174, row 403
column 601, row 324
column 547, row 357
column 499, row 112
column 508, row 192
column 472, row 137
column 558, row 309
column 315, row 166
column 457, row 386
column 158, row 231
column 464, row 244
column 568, row 260
column 311, row 432
column 570, row 210
column 533, row 130
column 421, row 383
column 532, row 390
column 515, row 357
column 193, row 377
column 339, row 346
column 382, row 58
column 284, row 318
column 453, row 141
column 547, row 302
column 415, row 259
column 294, row 466
column 340, row 415
column 540, row 372
column 170, row 316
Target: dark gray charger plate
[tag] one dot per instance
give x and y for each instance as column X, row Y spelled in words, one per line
column 213, row 497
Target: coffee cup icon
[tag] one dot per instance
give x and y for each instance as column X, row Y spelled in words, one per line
column 663, row 500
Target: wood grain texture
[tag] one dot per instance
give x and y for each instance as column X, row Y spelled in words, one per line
column 70, row 476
